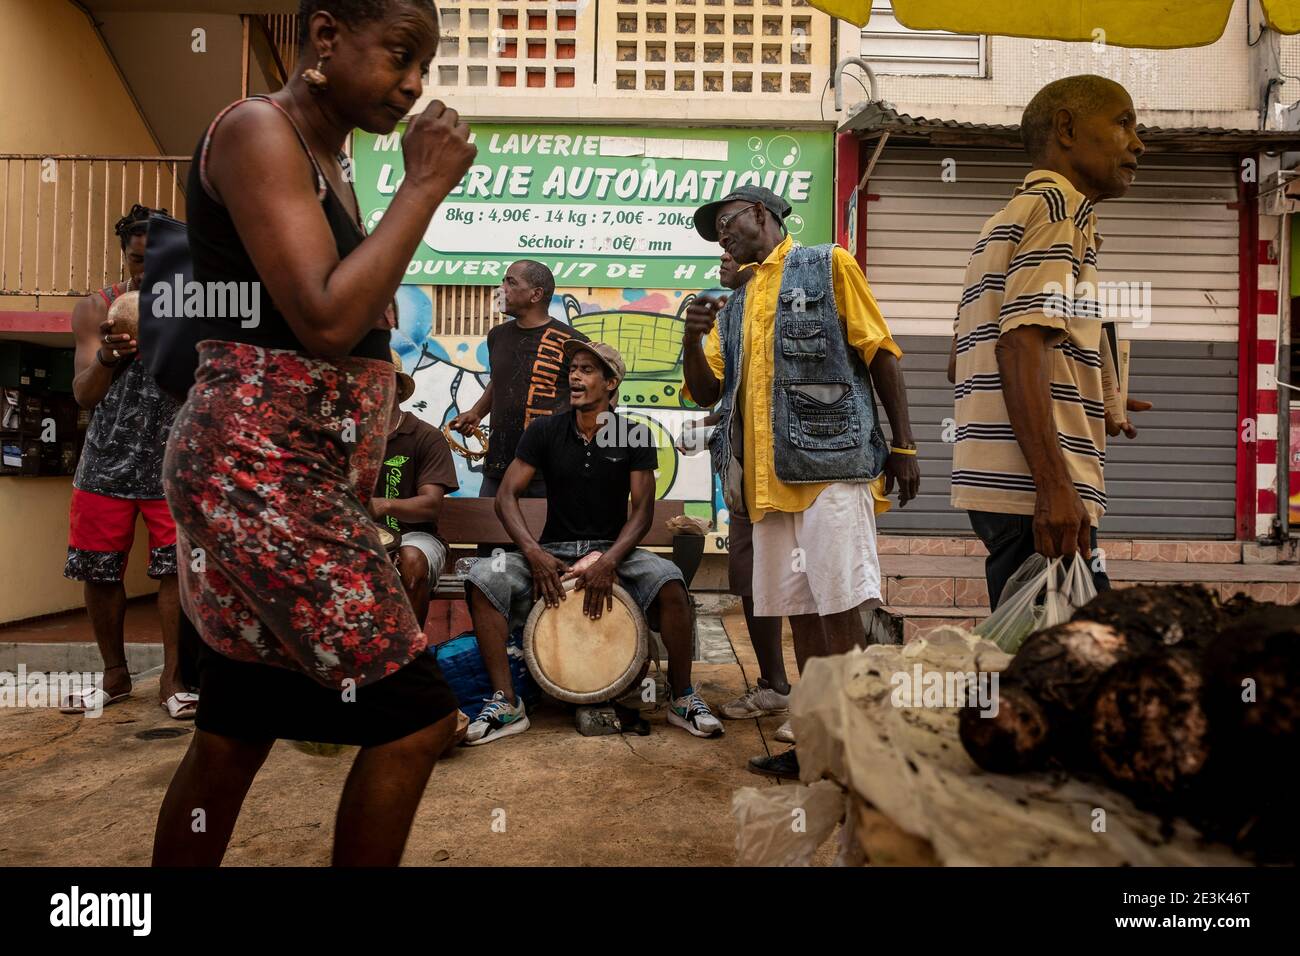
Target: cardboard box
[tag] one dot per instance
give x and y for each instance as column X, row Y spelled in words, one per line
column 32, row 456
column 62, row 369
column 51, row 458
column 32, row 413
column 66, row 414
column 59, row 457
column 24, row 365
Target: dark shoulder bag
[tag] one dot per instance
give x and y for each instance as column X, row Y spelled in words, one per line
column 168, row 338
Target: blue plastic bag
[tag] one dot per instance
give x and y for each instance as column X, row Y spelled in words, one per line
column 462, row 665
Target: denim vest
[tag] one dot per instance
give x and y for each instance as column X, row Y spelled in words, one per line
column 824, row 425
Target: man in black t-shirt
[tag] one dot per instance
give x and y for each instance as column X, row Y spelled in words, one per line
column 417, row 472
column 526, row 361
column 592, row 460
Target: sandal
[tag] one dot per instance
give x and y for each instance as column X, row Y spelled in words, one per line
column 182, row 705
column 93, row 700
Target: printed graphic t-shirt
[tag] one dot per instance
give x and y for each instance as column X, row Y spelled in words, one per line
column 530, row 380
column 416, row 455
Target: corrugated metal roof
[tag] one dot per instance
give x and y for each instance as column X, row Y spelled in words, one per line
column 879, row 117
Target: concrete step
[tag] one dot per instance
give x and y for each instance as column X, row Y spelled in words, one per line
column 73, row 656
column 1117, row 549
column 918, row 621
column 930, row 581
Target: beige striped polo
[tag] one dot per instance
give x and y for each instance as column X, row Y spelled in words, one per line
column 1035, row 264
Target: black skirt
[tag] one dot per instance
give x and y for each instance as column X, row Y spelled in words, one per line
column 259, row 702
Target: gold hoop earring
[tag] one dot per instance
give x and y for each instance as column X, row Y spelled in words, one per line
column 316, row 81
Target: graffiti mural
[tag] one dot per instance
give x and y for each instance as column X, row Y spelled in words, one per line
column 645, row 325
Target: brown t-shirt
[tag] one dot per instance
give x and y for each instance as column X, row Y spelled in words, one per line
column 416, row 455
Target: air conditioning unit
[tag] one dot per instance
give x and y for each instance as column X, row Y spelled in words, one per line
column 1279, row 193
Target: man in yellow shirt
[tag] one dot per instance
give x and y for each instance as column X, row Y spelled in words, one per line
column 795, row 359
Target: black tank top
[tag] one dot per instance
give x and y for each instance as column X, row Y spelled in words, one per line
column 219, row 255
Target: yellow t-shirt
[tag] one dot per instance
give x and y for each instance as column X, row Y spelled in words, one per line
column 866, row 332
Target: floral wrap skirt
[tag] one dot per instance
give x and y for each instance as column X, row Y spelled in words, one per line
column 269, row 467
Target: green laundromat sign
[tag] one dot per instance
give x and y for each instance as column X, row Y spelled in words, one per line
column 603, row 206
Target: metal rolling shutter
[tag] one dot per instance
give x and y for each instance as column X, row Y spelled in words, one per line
column 1174, row 230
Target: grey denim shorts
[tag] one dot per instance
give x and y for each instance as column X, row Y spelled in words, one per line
column 508, row 585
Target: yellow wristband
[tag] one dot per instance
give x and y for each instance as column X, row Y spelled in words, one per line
column 902, row 451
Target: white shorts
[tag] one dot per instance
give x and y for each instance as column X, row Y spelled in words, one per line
column 819, row 561
column 435, row 552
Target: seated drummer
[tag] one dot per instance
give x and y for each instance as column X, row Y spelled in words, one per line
column 416, row 473
column 590, row 459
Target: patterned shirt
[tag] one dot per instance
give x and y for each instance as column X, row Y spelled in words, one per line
column 1035, row 264
column 122, row 457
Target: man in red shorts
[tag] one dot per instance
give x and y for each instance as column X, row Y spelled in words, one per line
column 119, row 476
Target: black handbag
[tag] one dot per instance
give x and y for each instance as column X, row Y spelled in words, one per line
column 168, row 338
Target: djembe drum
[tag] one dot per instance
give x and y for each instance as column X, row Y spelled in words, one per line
column 582, row 661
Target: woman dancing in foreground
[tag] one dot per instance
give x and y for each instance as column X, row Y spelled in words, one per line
column 306, row 631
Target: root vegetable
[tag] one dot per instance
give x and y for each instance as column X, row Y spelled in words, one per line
column 1013, row 739
column 1150, row 734
column 1041, row 693
column 1169, row 614
column 1252, row 699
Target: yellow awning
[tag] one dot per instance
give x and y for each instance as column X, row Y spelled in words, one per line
column 1145, row 23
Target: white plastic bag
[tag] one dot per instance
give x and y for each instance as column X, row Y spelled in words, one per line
column 1063, row 590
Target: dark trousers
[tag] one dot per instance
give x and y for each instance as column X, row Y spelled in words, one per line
column 1010, row 540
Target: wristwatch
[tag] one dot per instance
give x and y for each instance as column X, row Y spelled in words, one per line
column 99, row 356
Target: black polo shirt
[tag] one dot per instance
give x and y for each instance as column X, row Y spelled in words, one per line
column 588, row 484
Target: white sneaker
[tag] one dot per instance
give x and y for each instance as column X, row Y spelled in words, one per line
column 692, row 714
column 496, row 720
column 785, row 733
column 759, row 701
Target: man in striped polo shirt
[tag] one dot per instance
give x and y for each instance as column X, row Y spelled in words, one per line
column 1030, row 412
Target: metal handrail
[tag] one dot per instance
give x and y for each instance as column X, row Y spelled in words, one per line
column 61, row 242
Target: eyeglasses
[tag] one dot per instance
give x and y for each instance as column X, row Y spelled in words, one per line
column 724, row 221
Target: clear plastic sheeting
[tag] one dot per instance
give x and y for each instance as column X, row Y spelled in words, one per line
column 784, row 826
column 905, row 760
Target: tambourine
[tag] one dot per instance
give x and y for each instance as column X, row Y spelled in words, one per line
column 462, row 450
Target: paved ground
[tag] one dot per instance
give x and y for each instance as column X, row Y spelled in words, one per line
column 76, row 791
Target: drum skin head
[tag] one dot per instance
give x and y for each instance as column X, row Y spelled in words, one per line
column 582, row 661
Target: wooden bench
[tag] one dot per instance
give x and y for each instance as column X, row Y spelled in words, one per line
column 467, row 523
